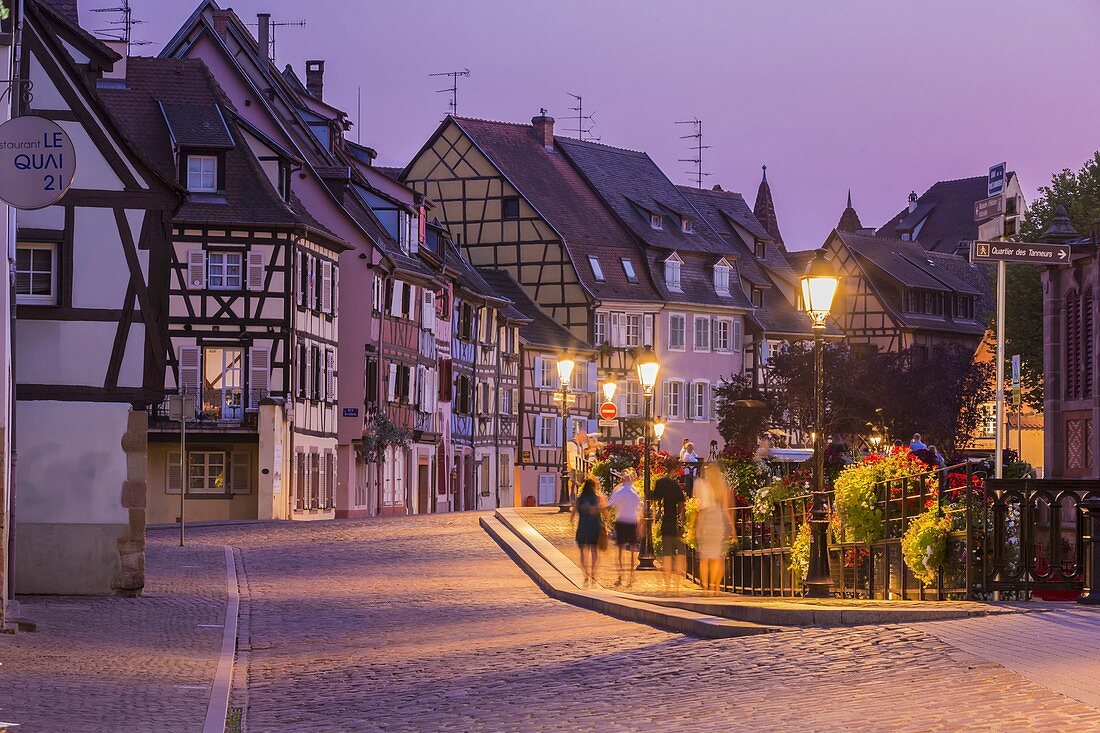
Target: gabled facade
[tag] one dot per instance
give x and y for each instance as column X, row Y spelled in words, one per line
column 91, row 280
column 253, row 309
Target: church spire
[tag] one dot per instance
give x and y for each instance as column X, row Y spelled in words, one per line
column 849, row 220
column 764, row 209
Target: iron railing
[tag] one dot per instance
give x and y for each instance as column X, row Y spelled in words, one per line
column 231, row 406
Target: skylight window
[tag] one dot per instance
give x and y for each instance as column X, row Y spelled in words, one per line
column 597, row 271
column 687, row 226
column 628, row 268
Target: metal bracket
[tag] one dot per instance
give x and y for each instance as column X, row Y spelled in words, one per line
column 26, row 84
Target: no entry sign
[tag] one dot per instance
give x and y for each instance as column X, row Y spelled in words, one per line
column 608, row 411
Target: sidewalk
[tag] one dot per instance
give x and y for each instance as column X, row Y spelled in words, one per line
column 112, row 663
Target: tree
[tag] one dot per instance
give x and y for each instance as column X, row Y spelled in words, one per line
column 1079, row 192
column 744, row 412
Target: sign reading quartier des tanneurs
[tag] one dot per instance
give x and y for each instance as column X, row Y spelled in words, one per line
column 1031, row 253
column 37, row 162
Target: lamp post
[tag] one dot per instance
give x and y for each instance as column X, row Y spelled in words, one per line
column 658, row 431
column 565, row 372
column 819, row 285
column 647, row 366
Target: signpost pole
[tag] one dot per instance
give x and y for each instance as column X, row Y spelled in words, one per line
column 998, row 464
column 184, row 478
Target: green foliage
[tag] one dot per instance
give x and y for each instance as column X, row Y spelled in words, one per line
column 800, row 552
column 380, row 434
column 739, row 423
column 924, row 544
column 768, row 497
column 744, row 476
column 691, row 513
column 855, row 497
column 3, row 11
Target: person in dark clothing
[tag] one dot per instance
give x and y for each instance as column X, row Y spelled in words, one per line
column 670, row 495
column 588, row 515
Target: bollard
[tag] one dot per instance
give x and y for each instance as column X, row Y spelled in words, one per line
column 1091, row 594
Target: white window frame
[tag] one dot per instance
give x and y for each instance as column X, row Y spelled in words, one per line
column 546, row 373
column 546, row 425
column 30, row 298
column 699, row 400
column 722, row 280
column 682, row 319
column 674, row 410
column 206, row 465
column 723, row 330
column 632, row 398
column 672, row 275
column 633, row 329
column 597, row 269
column 697, row 344
column 656, row 221
column 202, row 173
column 599, row 328
column 217, row 267
column 628, row 270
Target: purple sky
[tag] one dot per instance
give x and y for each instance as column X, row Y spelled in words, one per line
column 880, row 96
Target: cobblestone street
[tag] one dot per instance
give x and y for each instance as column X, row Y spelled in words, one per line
column 425, row 624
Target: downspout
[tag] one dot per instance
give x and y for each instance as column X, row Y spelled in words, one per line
column 9, row 365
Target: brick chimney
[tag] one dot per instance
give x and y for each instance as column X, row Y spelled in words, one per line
column 912, row 201
column 315, row 78
column 263, row 33
column 221, row 23
column 118, row 70
column 543, row 126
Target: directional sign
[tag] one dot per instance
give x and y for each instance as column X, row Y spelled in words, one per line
column 608, row 411
column 992, row 206
column 570, row 398
column 1029, row 253
column 997, row 179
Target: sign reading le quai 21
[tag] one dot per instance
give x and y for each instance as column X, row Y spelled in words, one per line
column 37, row 162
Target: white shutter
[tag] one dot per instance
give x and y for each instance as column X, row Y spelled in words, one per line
column 255, row 272
column 427, row 310
column 647, row 330
column 591, row 386
column 593, row 427
column 322, row 481
column 307, row 388
column 173, row 480
column 312, row 296
column 410, row 385
column 240, row 472
column 395, row 298
column 196, row 269
column 300, row 294
column 189, row 357
column 538, row 372
column 330, row 375
column 335, row 290
column 326, row 286
column 737, row 336
column 618, row 335
column 259, row 368
column 412, row 302
column 391, row 383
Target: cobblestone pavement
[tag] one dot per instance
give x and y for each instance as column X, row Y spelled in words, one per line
column 423, row 624
column 121, row 664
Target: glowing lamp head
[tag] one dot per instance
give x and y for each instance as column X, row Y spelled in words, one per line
column 819, row 285
column 609, row 391
column 658, row 429
column 648, row 366
column 565, row 369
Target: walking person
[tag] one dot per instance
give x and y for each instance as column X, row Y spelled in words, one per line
column 713, row 530
column 588, row 516
column 673, row 561
column 628, row 512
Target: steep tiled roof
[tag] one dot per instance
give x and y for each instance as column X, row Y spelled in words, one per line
column 849, row 220
column 947, row 210
column 561, row 195
column 67, row 9
column 197, row 126
column 249, row 196
column 764, row 209
column 541, row 329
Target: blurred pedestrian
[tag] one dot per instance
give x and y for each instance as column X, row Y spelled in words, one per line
column 628, row 511
column 673, row 562
column 588, row 516
column 713, row 530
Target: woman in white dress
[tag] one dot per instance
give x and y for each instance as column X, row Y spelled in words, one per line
column 713, row 530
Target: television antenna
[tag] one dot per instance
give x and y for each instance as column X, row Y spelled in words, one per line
column 121, row 29
column 453, row 88
column 581, row 118
column 698, row 147
column 272, row 25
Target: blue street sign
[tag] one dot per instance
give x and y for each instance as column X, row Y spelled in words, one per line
column 997, row 179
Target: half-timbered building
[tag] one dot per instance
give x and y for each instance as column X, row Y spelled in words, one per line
column 540, row 431
column 91, row 279
column 7, row 386
column 253, row 303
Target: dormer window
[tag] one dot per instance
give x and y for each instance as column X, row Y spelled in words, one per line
column 656, row 221
column 757, row 297
column 284, row 182
column 761, row 249
column 687, row 226
column 672, row 272
column 722, row 278
column 597, row 271
column 202, row 173
column 628, row 268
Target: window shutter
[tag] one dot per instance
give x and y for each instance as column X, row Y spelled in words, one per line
column 326, row 286
column 312, row 282
column 593, row 427
column 335, row 290
column 173, row 480
column 427, row 310
column 189, row 357
column 259, row 365
column 647, row 330
column 330, row 459
column 538, row 372
column 307, row 388
column 737, row 336
column 255, row 274
column 196, row 269
column 395, row 299
column 240, row 472
column 330, row 374
column 591, row 387
column 300, row 294
column 616, row 337
column 322, row 481
column 391, row 383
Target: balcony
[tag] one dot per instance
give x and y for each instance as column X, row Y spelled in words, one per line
column 224, row 409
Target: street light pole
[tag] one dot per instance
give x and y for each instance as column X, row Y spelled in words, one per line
column 647, row 366
column 565, row 371
column 819, row 284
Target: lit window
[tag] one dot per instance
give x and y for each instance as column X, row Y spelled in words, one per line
column 687, row 226
column 224, row 270
column 597, row 271
column 672, row 273
column 202, row 173
column 721, row 279
column 656, row 221
column 36, row 274
column 628, row 268
column 702, row 333
column 510, row 207
column 676, row 331
column 206, row 472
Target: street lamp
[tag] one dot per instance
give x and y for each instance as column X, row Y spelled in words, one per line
column 658, row 431
column 647, row 366
column 565, row 373
column 609, row 391
column 819, row 285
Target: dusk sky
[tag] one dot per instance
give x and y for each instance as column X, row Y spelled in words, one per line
column 879, row 96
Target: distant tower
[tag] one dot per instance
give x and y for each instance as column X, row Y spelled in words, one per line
column 849, row 220
column 764, row 209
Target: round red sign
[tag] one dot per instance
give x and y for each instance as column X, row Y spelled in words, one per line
column 608, row 411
